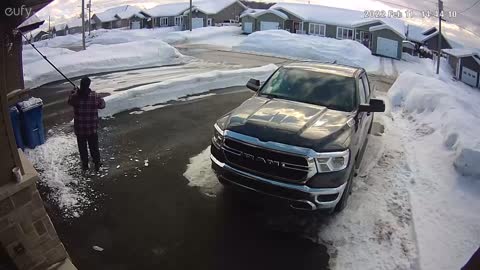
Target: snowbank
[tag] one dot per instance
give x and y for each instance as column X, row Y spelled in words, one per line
column 439, row 125
column 117, row 36
column 199, row 173
column 103, row 58
column 57, row 163
column 172, row 89
column 203, row 35
column 30, row 55
column 448, row 107
column 284, row 44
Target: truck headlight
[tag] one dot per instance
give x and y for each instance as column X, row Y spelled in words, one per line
column 332, row 162
column 217, row 135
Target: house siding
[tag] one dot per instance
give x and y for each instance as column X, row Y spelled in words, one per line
column 227, row 14
column 386, row 33
column 269, row 17
column 251, row 20
column 198, row 14
column 453, row 62
column 432, row 43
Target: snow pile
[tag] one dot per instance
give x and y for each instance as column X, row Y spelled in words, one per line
column 202, row 35
column 30, row 55
column 103, row 58
column 439, row 124
column 60, row 42
column 447, row 107
column 322, row 49
column 199, row 173
column 57, row 163
column 117, row 36
column 171, row 89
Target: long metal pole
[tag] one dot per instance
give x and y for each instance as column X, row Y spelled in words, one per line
column 83, row 24
column 190, row 16
column 89, row 17
column 439, row 49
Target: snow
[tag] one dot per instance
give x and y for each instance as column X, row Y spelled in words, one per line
column 171, row 89
column 460, row 52
column 199, row 174
column 30, row 104
column 166, row 10
column 103, row 58
column 58, row 166
column 30, row 55
column 213, row 6
column 309, row 47
column 256, row 14
column 439, row 119
column 116, row 36
column 205, row 35
column 109, row 14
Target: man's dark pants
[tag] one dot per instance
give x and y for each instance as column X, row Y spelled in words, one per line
column 92, row 141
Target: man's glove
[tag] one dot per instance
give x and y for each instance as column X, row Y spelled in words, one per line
column 75, row 89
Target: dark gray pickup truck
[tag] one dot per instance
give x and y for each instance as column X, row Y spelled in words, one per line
column 301, row 137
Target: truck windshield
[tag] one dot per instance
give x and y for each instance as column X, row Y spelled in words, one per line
column 330, row 90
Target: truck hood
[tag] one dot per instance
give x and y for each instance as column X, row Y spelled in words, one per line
column 290, row 122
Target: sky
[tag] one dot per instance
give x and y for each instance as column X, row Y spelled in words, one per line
column 63, row 10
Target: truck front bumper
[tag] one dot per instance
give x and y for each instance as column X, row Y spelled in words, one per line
column 300, row 197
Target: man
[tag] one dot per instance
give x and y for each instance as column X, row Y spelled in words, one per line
column 85, row 104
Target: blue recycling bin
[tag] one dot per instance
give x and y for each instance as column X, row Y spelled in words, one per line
column 17, row 129
column 31, row 117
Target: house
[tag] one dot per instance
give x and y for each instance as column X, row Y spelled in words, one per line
column 39, row 35
column 382, row 36
column 168, row 15
column 427, row 38
column 74, row 26
column 215, row 12
column 465, row 64
column 118, row 17
column 60, row 30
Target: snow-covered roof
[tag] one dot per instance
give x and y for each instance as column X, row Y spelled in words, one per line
column 129, row 13
column 112, row 13
column 77, row 22
column 429, row 30
column 60, row 26
column 252, row 10
column 460, row 52
column 214, row 6
column 166, row 10
column 417, row 34
column 271, row 11
column 32, row 20
column 397, row 30
column 321, row 14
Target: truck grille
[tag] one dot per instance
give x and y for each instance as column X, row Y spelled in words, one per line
column 266, row 163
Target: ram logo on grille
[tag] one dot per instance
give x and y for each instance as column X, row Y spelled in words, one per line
column 261, row 159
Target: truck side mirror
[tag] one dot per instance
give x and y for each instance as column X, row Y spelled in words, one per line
column 376, row 105
column 253, row 85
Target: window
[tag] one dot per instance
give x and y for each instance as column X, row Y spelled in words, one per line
column 324, row 89
column 316, row 29
column 361, row 92
column 164, row 21
column 179, row 21
column 344, row 33
column 367, row 86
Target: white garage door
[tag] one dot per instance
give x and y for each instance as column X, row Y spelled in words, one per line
column 197, row 23
column 248, row 27
column 135, row 25
column 268, row 26
column 387, row 47
column 469, row 76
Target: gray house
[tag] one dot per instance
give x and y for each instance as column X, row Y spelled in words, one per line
column 465, row 64
column 118, row 17
column 167, row 15
column 382, row 36
column 60, row 29
column 75, row 26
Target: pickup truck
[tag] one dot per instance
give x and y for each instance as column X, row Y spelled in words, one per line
column 301, row 137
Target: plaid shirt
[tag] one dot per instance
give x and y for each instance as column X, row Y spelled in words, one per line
column 86, row 113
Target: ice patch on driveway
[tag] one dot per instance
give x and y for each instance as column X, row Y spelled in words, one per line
column 200, row 174
column 58, row 166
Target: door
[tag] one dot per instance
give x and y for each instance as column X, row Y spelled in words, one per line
column 136, row 25
column 247, row 27
column 197, row 23
column 209, row 22
column 387, row 47
column 268, row 26
column 469, row 76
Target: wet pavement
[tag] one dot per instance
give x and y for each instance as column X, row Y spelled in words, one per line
column 149, row 218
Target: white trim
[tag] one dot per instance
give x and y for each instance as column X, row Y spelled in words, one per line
column 342, row 30
column 310, row 32
column 180, row 17
column 386, row 26
column 161, row 21
column 209, row 22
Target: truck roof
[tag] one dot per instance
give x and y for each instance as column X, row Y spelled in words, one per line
column 329, row 68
